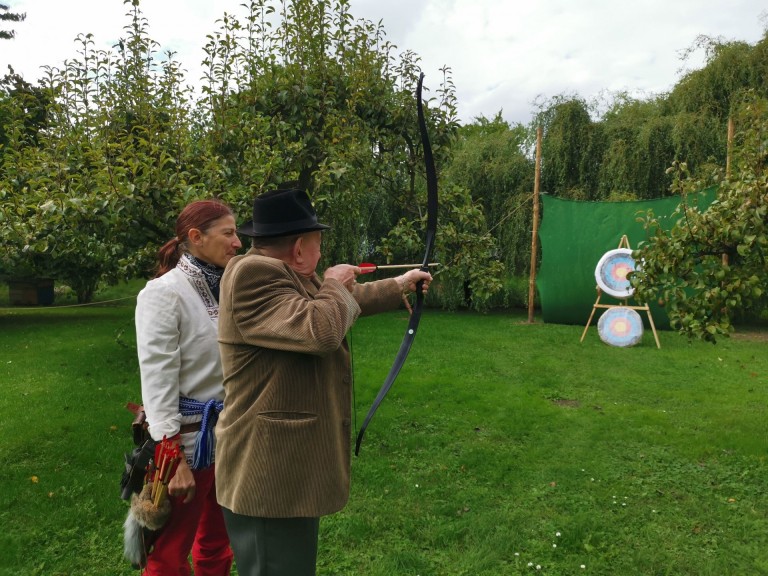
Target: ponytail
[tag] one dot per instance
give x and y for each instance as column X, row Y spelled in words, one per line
column 168, row 256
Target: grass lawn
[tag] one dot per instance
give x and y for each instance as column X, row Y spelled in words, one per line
column 501, row 448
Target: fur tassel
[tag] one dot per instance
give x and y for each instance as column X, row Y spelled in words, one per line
column 133, row 542
column 146, row 513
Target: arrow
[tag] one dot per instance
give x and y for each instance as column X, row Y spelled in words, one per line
column 367, row 267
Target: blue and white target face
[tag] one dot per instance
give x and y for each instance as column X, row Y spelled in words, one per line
column 620, row 326
column 611, row 273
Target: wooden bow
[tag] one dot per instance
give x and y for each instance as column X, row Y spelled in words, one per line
column 413, row 323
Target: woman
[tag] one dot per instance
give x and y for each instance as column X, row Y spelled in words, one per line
column 181, row 383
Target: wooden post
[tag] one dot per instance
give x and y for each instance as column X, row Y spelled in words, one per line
column 535, row 232
column 729, row 151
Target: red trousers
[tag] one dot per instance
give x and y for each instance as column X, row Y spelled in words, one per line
column 197, row 526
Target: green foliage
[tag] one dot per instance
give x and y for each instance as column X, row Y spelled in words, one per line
column 316, row 97
column 471, row 272
column 731, row 66
column 23, row 107
column 624, row 155
column 488, row 160
column 83, row 199
column 621, row 148
column 563, row 149
column 7, row 16
column 335, row 112
column 710, row 268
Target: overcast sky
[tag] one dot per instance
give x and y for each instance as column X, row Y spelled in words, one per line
column 504, row 53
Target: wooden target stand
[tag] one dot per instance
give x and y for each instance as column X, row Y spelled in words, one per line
column 623, row 243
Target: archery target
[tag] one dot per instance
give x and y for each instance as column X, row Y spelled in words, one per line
column 620, row 326
column 611, row 273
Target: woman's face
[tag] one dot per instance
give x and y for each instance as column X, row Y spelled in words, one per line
column 218, row 244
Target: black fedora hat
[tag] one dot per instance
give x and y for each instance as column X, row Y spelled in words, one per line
column 281, row 213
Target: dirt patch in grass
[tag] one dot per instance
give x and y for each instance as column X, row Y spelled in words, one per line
column 751, row 334
column 566, row 403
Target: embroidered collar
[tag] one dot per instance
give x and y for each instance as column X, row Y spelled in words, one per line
column 203, row 277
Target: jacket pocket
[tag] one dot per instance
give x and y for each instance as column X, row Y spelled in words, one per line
column 292, row 416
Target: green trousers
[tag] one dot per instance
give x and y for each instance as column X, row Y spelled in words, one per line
column 273, row 546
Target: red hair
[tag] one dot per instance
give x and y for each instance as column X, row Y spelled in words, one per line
column 201, row 215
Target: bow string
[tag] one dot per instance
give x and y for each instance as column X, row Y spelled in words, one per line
column 431, row 231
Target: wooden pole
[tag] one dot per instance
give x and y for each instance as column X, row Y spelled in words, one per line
column 729, row 151
column 535, row 232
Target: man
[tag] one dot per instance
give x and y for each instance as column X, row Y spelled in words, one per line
column 284, row 437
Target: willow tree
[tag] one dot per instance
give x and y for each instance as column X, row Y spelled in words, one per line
column 730, row 67
column 567, row 134
column 489, row 160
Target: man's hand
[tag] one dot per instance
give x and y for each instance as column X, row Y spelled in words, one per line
column 409, row 280
column 344, row 273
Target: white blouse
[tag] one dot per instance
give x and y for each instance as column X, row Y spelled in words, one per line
column 177, row 340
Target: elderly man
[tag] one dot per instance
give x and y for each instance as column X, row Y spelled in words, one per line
column 283, row 439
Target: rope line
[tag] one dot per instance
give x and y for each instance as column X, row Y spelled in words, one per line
column 509, row 214
column 46, row 308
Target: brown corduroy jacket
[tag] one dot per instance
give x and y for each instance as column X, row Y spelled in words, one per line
column 283, row 438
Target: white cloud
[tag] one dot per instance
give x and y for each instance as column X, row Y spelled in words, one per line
column 503, row 53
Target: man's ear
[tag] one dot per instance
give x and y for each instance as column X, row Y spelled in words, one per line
column 297, row 250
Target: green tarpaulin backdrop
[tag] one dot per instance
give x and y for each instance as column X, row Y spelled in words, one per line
column 574, row 235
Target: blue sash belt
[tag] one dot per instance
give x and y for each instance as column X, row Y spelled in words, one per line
column 210, row 410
